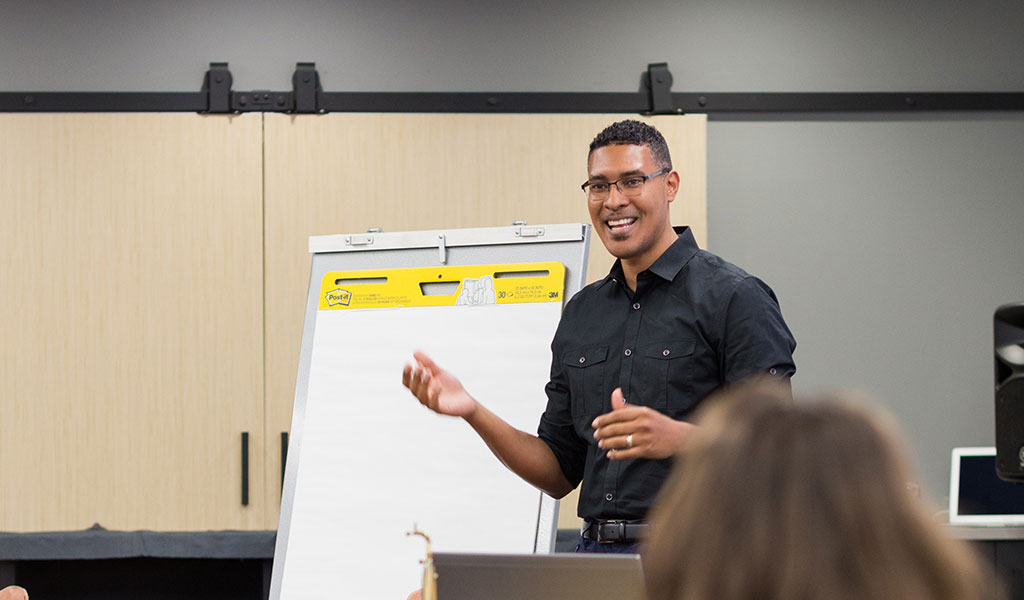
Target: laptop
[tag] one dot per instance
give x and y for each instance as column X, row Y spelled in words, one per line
column 977, row 496
column 538, row 576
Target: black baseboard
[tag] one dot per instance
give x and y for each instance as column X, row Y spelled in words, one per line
column 144, row 578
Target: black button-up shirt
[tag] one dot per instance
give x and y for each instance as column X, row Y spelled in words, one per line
column 694, row 323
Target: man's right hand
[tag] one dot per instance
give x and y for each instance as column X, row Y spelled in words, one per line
column 436, row 388
column 525, row 454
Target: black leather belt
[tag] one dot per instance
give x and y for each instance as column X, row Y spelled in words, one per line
column 606, row 532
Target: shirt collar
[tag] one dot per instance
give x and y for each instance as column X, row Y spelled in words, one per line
column 668, row 265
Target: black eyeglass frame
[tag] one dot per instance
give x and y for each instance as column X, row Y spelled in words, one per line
column 644, row 179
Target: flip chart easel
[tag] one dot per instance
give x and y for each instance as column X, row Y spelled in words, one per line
column 365, row 460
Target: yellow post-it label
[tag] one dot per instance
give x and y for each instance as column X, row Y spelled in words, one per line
column 443, row 286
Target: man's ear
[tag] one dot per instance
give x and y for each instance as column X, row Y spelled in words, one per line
column 672, row 184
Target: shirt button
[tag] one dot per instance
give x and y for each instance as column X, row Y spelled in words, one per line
column 609, row 497
column 583, row 359
column 628, row 352
column 772, row 371
column 636, row 306
column 665, row 352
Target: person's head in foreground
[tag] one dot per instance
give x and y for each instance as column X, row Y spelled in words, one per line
column 798, row 501
column 13, row 592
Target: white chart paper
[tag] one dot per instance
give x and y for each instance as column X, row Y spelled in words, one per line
column 373, row 461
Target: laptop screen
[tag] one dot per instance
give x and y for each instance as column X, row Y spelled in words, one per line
column 977, row 496
column 539, row 576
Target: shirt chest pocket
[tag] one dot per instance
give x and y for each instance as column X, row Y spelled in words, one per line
column 585, row 368
column 667, row 371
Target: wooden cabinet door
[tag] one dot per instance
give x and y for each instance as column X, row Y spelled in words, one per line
column 344, row 173
column 131, row 321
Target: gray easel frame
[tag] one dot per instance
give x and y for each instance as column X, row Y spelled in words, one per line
column 519, row 243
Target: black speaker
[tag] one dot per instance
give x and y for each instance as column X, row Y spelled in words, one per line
column 1008, row 326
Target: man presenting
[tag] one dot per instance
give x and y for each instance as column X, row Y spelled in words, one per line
column 634, row 353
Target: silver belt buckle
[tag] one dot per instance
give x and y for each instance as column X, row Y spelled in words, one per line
column 616, row 529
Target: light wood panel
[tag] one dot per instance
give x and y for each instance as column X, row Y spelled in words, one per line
column 130, row 320
column 344, row 173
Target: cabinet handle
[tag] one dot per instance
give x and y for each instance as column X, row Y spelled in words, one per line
column 245, row 468
column 284, row 457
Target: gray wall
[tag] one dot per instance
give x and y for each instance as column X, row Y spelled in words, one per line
column 890, row 240
column 889, row 244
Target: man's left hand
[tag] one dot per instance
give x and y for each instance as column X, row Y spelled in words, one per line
column 631, row 431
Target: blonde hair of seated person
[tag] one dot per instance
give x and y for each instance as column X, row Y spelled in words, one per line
column 799, row 501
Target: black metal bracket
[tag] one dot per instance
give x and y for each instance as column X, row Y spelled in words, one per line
column 217, row 87
column 658, row 81
column 261, row 101
column 306, row 87
column 221, row 99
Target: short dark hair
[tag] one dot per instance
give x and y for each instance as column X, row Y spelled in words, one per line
column 634, row 133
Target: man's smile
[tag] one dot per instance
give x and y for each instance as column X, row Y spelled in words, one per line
column 621, row 225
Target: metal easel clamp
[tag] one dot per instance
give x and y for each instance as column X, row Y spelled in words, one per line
column 523, row 231
column 358, row 240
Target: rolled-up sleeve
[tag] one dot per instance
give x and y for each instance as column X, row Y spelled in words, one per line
column 755, row 338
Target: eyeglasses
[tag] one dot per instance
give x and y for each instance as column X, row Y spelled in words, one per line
column 630, row 185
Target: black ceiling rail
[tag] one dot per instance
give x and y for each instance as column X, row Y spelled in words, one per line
column 654, row 97
column 636, row 103
column 803, row 102
column 477, row 102
column 103, row 102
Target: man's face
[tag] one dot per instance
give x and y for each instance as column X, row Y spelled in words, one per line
column 635, row 229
